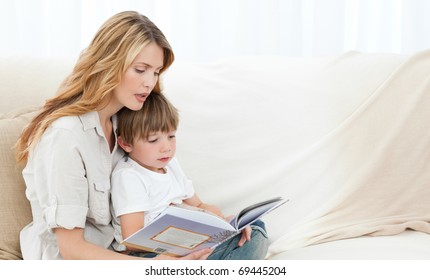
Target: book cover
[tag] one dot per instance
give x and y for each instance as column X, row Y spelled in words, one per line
column 180, row 230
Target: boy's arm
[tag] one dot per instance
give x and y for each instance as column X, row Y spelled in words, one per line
column 196, row 202
column 130, row 223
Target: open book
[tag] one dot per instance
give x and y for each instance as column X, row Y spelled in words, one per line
column 181, row 229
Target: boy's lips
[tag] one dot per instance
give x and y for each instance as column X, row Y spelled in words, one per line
column 165, row 159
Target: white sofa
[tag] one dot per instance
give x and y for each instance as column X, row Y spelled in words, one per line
column 345, row 138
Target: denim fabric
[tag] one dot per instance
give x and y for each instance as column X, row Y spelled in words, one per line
column 148, row 255
column 254, row 249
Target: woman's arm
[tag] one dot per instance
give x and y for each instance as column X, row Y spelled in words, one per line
column 73, row 246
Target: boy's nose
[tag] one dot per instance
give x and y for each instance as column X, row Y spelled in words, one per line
column 166, row 148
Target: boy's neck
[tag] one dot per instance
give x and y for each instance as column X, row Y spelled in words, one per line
column 162, row 170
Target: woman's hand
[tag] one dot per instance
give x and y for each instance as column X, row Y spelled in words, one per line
column 197, row 255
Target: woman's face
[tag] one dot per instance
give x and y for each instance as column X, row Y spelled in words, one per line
column 140, row 78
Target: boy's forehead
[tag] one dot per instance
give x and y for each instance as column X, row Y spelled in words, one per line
column 161, row 132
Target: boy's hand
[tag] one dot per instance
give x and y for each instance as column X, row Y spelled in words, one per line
column 246, row 233
column 246, row 236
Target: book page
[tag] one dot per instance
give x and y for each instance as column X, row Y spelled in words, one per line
column 180, row 237
column 256, row 211
column 178, row 232
column 198, row 215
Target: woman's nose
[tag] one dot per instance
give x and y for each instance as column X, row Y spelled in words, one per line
column 149, row 81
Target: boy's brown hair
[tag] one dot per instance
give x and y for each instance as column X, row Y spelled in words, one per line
column 157, row 114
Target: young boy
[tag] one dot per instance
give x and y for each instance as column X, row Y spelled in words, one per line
column 149, row 178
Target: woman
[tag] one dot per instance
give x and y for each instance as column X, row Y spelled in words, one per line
column 70, row 146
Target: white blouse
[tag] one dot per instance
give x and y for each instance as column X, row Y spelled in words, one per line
column 68, row 185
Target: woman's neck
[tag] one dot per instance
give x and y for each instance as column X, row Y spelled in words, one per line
column 105, row 116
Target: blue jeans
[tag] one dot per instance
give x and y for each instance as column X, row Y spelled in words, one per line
column 254, row 249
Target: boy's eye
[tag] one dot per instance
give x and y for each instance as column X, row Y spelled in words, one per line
column 172, row 136
column 152, row 140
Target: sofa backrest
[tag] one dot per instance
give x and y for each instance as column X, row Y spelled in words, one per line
column 24, row 85
column 28, row 81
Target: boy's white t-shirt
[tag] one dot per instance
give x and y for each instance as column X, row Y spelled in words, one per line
column 137, row 189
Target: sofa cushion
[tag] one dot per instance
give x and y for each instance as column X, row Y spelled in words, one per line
column 15, row 210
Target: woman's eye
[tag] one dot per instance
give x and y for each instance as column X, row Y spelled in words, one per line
column 140, row 71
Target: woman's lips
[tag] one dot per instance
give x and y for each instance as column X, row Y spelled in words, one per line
column 141, row 97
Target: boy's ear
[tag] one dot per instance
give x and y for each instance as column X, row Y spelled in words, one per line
column 124, row 145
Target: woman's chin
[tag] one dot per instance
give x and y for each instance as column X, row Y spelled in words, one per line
column 135, row 107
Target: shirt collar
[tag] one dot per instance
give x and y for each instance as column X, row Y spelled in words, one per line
column 91, row 120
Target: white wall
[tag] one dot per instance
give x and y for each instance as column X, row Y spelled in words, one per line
column 205, row 30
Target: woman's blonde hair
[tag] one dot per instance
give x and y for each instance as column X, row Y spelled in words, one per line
column 157, row 114
column 97, row 72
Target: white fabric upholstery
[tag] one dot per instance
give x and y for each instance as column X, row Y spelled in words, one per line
column 344, row 138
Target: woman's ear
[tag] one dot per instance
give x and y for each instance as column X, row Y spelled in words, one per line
column 124, row 145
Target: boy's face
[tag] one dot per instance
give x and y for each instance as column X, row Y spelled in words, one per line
column 155, row 152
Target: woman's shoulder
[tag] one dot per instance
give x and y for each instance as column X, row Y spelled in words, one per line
column 67, row 123
column 71, row 128
column 77, row 123
column 62, row 134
